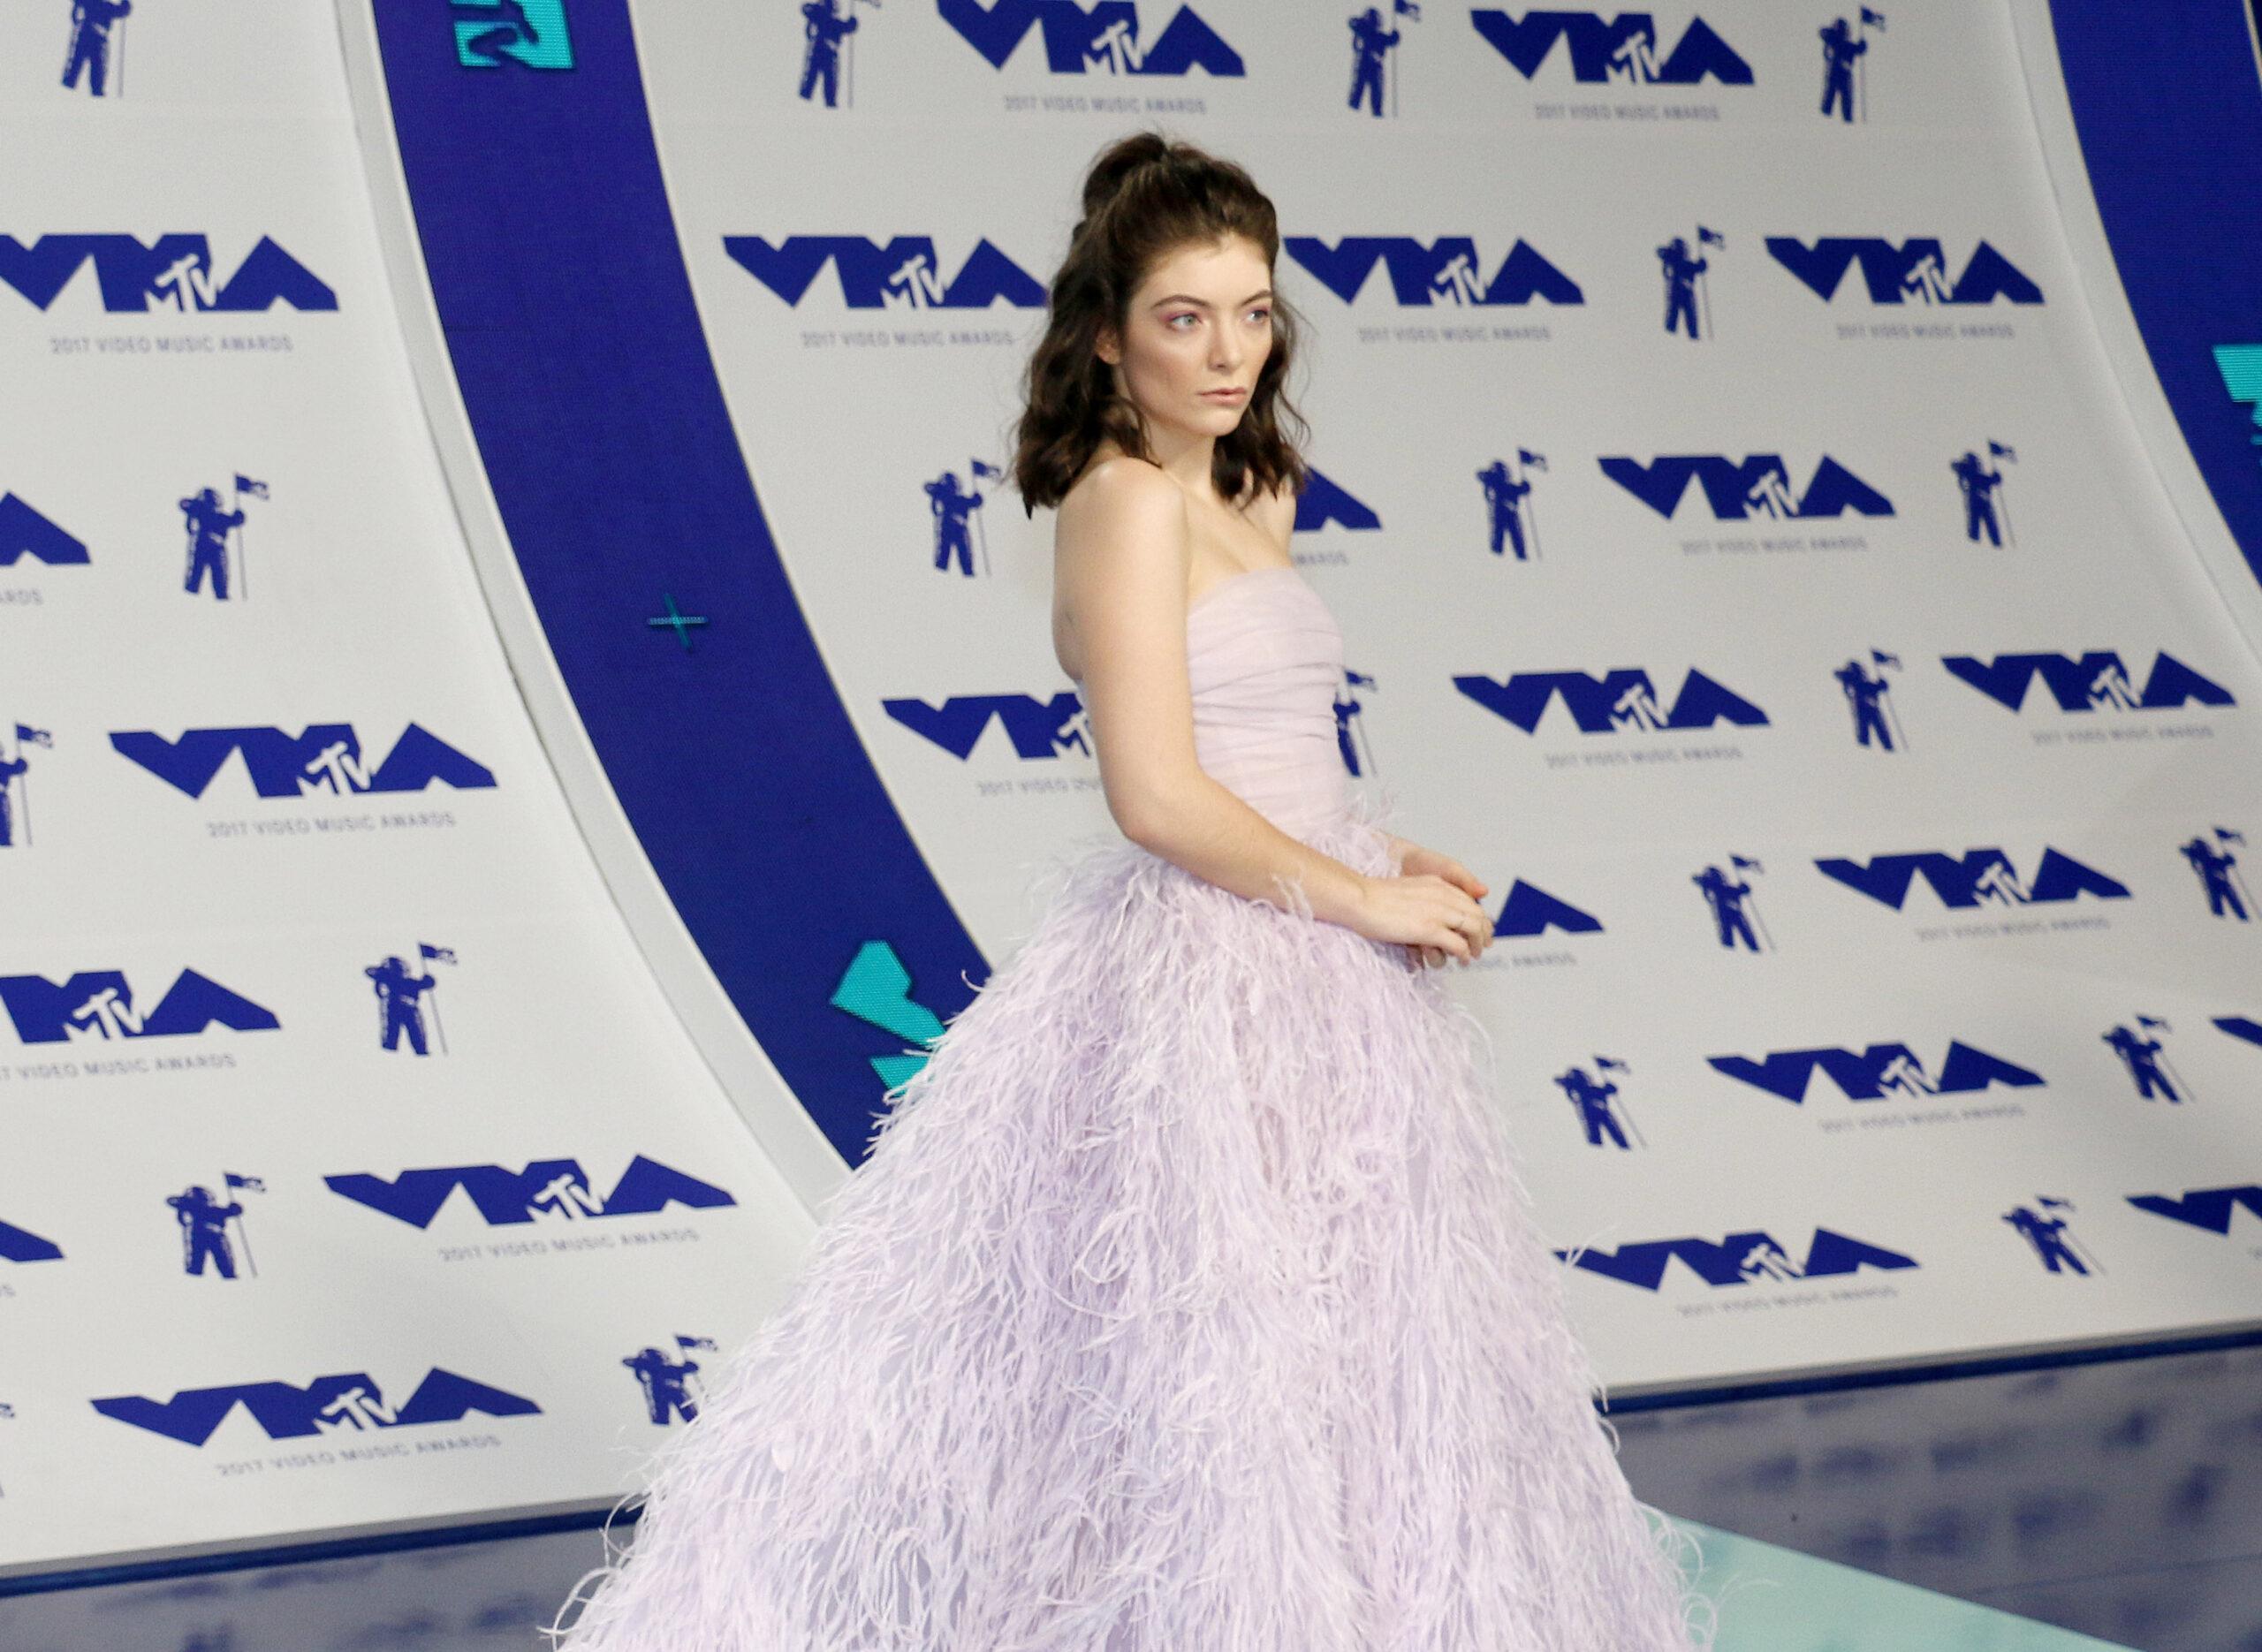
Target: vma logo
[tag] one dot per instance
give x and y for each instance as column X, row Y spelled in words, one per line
column 1446, row 270
column 1758, row 485
column 2207, row 1207
column 1976, row 876
column 1618, row 701
column 1623, row 50
column 1874, row 1072
column 1914, row 272
column 176, row 273
column 325, row 758
column 529, row 33
column 24, row 531
column 903, row 275
column 2095, row 681
column 1105, row 37
column 549, row 1190
column 1531, row 910
column 329, row 1405
column 22, row 1245
column 1740, row 1259
column 95, row 1004
column 1037, row 728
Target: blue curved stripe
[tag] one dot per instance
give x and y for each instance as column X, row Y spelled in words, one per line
column 2169, row 108
column 568, row 315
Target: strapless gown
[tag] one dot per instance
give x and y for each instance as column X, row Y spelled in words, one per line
column 1187, row 1299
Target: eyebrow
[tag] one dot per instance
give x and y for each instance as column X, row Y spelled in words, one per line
column 1203, row 304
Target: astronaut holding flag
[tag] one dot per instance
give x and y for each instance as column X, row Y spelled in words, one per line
column 15, row 801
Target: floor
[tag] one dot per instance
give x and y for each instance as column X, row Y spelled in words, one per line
column 2117, row 1504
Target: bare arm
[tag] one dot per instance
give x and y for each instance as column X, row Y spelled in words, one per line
column 1121, row 557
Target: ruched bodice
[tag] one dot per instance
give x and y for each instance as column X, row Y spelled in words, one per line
column 1264, row 661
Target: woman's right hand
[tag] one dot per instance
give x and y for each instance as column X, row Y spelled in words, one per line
column 1435, row 919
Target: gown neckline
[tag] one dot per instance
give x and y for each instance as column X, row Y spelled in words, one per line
column 1202, row 600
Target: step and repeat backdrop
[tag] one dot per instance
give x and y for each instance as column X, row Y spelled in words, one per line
column 352, row 1170
column 1747, row 560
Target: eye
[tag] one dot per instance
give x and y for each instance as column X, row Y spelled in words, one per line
column 1261, row 310
column 1183, row 315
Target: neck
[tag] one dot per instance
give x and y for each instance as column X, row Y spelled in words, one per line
column 1184, row 456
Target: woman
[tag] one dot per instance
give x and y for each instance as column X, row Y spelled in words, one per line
column 1187, row 1299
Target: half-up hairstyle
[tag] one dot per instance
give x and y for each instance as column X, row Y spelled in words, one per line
column 1145, row 197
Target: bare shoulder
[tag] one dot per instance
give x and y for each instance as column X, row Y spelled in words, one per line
column 1120, row 488
column 1127, row 506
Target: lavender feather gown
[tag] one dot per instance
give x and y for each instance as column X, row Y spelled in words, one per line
column 1188, row 1300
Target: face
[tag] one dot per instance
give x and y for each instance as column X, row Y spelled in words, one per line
column 1201, row 322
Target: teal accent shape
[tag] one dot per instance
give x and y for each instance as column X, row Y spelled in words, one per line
column 876, row 989
column 2241, row 366
column 529, row 33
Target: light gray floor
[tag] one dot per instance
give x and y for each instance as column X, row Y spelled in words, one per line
column 2120, row 1500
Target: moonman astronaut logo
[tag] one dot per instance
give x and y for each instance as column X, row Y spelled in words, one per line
column 97, row 47
column 1688, row 293
column 1620, row 700
column 1976, row 877
column 2143, row 1054
column 1913, row 271
column 1511, row 514
column 16, row 784
column 1868, row 688
column 212, row 1226
column 2096, row 681
column 1742, row 1258
column 955, row 513
column 2043, row 1225
column 216, row 537
column 904, row 273
column 1733, row 900
column 324, row 758
column 1986, row 499
column 1845, row 65
column 1374, row 54
column 408, row 1000
column 348, row 1403
column 546, row 1191
column 1594, row 1097
column 828, row 32
column 176, row 272
column 2216, row 867
column 24, row 532
column 1875, row 1072
column 495, row 33
column 96, row 1005
column 670, row 1392
column 1757, row 485
column 1623, row 52
column 1448, row 270
column 1104, row 38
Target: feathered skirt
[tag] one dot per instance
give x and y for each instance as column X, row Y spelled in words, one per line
column 1188, row 1300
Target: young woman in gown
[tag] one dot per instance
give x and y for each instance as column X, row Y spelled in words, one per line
column 1187, row 1299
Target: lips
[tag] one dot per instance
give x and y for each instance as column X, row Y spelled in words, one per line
column 1223, row 395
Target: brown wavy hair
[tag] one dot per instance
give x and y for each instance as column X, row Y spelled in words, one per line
column 1145, row 196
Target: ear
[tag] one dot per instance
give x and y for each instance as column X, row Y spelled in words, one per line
column 1107, row 348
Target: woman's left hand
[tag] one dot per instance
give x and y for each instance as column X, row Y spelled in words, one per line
column 1417, row 860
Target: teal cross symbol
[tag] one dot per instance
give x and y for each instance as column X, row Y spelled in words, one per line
column 679, row 623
